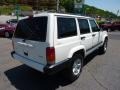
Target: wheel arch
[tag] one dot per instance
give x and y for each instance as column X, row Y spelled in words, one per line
column 105, row 36
column 77, row 50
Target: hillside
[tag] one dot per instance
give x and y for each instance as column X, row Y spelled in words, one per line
column 93, row 11
column 67, row 4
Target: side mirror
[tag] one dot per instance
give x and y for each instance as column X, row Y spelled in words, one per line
column 99, row 29
column 8, row 22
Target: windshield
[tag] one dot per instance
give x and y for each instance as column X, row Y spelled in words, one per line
column 14, row 21
column 32, row 29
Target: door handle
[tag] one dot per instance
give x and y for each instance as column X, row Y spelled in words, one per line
column 83, row 38
column 25, row 53
column 94, row 35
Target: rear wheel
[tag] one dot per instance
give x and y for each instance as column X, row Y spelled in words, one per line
column 75, row 68
column 7, row 35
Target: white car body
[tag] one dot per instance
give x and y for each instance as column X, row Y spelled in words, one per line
column 33, row 53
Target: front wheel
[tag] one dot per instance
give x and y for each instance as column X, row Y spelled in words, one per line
column 7, row 35
column 103, row 49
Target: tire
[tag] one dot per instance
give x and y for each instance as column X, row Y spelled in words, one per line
column 75, row 68
column 103, row 49
column 108, row 30
column 7, row 35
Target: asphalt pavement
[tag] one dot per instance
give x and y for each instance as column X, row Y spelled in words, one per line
column 100, row 72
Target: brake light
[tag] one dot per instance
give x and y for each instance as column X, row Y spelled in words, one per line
column 50, row 55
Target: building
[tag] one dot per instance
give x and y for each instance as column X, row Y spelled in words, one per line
column 40, row 4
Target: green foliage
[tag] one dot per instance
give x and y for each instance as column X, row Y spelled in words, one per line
column 93, row 11
column 25, row 8
column 88, row 10
column 9, row 1
column 68, row 5
column 100, row 22
column 10, row 8
column 6, row 9
column 119, row 17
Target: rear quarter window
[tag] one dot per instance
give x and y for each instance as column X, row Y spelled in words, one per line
column 32, row 29
column 66, row 27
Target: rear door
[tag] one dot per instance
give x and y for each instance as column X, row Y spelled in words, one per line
column 66, row 37
column 85, row 34
column 30, row 39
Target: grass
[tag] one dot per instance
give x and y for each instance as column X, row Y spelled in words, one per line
column 7, row 10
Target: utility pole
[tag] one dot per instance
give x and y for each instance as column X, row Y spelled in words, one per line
column 58, row 5
column 17, row 9
column 118, row 12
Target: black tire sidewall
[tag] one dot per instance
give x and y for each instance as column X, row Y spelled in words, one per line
column 105, row 42
column 8, row 35
column 72, row 76
column 101, row 49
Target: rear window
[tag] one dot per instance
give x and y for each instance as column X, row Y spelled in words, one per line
column 32, row 29
column 14, row 21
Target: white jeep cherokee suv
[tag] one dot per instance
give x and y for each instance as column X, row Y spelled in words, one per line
column 50, row 42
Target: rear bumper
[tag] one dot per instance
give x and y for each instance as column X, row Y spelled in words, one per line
column 48, row 69
column 51, row 69
column 28, row 62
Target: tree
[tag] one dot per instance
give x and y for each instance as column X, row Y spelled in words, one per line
column 9, row 1
column 12, row 1
column 68, row 5
column 93, row 11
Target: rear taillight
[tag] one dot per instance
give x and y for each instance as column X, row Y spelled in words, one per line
column 50, row 55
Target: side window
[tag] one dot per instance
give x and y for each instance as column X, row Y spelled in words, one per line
column 66, row 27
column 84, row 26
column 94, row 26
